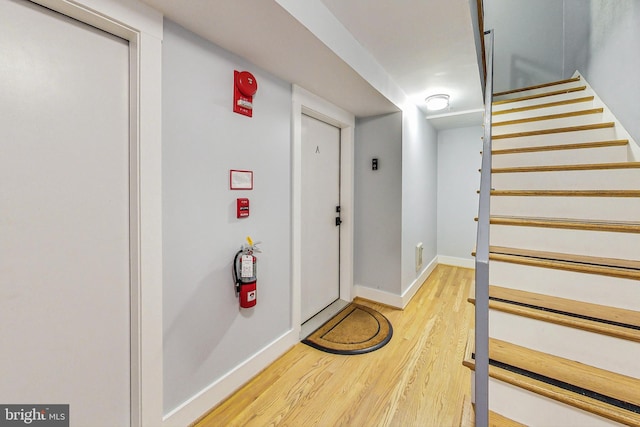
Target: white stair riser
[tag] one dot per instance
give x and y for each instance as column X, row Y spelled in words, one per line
column 591, row 288
column 558, row 109
column 600, row 179
column 596, row 208
column 535, row 410
column 579, row 242
column 543, row 100
column 621, row 355
column 547, row 89
column 587, row 119
column 575, row 137
column 561, row 157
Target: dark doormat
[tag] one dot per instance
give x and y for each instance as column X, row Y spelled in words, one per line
column 355, row 330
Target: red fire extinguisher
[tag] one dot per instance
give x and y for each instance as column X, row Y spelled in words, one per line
column 245, row 274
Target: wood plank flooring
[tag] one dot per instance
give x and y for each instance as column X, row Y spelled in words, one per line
column 416, row 380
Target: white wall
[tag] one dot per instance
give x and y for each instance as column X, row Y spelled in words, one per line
column 418, row 137
column 458, row 181
column 528, row 47
column 396, row 206
column 546, row 40
column 419, row 192
column 577, row 23
column 604, row 47
column 378, row 198
column 206, row 335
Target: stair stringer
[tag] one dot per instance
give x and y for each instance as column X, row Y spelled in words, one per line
column 621, row 132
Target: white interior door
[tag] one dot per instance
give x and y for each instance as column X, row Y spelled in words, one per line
column 320, row 235
column 64, row 222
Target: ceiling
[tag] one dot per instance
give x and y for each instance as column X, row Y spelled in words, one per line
column 424, row 46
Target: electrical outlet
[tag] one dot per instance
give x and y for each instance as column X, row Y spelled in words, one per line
column 419, row 249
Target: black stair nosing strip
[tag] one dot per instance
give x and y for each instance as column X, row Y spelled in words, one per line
column 618, row 403
column 567, row 313
column 594, row 264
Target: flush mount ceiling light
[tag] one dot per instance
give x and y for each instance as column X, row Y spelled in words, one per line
column 437, row 102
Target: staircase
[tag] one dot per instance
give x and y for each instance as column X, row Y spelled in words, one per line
column 564, row 310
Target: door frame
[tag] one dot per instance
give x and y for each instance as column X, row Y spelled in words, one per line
column 142, row 27
column 305, row 102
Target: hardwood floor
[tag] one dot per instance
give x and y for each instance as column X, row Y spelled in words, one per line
column 415, row 380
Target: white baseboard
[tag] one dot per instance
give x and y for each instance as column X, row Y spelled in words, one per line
column 394, row 300
column 219, row 390
column 416, row 284
column 383, row 297
column 457, row 262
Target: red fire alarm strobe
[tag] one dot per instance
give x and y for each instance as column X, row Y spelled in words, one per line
column 244, row 87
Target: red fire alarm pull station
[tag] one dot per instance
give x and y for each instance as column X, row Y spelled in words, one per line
column 242, row 207
column 244, row 87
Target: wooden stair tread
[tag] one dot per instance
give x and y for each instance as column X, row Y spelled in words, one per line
column 467, row 418
column 549, row 117
column 611, row 321
column 540, row 95
column 612, row 314
column 563, row 168
column 497, row 420
column 545, row 105
column 602, row 270
column 578, row 146
column 567, row 193
column 567, row 223
column 470, row 346
column 594, row 126
column 557, row 256
column 610, row 267
column 577, row 374
column 539, row 86
column 609, row 383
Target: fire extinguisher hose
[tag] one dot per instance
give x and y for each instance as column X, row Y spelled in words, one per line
column 235, row 272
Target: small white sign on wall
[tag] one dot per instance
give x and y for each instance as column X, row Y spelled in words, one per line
column 240, row 180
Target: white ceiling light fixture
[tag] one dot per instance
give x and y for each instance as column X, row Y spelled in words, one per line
column 437, row 102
